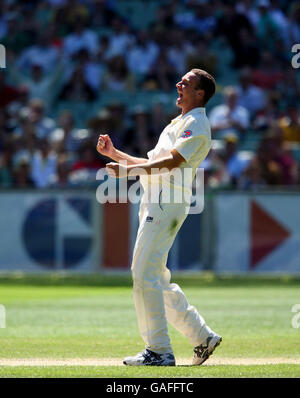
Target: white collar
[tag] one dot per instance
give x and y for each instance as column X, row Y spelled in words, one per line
column 199, row 109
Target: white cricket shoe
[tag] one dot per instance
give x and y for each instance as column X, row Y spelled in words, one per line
column 150, row 358
column 203, row 351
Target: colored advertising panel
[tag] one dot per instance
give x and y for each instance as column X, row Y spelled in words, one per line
column 258, row 233
column 46, row 231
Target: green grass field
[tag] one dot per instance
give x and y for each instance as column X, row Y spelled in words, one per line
column 92, row 318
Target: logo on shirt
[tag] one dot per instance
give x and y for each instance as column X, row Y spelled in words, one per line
column 149, row 219
column 187, row 134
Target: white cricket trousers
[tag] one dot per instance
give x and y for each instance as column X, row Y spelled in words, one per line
column 157, row 301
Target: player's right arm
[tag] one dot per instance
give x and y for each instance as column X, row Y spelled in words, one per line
column 106, row 147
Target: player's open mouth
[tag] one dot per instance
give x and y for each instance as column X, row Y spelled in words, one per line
column 180, row 96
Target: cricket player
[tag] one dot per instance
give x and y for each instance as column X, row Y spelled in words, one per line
column 184, row 143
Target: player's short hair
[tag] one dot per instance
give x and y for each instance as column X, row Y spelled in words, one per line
column 206, row 83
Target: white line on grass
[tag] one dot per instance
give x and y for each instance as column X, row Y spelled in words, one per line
column 119, row 361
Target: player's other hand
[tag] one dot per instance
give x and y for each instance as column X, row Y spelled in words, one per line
column 105, row 145
column 116, row 170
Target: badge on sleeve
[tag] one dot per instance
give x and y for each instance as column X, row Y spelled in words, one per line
column 187, row 134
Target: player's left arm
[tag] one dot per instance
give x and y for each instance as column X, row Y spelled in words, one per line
column 163, row 165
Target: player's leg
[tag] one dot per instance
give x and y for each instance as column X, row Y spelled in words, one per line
column 147, row 289
column 183, row 316
column 157, row 300
column 154, row 240
column 187, row 320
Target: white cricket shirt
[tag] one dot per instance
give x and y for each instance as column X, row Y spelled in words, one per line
column 190, row 135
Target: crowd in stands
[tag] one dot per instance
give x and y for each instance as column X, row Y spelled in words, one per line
column 65, row 52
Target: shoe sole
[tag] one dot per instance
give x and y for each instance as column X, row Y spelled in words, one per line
column 210, row 353
column 148, row 364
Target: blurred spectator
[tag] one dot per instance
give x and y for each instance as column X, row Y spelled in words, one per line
column 160, row 36
column 215, row 171
column 44, row 125
column 159, row 118
column 249, row 96
column 100, row 123
column 267, row 75
column 93, row 71
column 39, row 83
column 103, row 52
column 42, row 53
column 293, row 29
column 33, row 117
column 6, row 175
column 289, row 88
column 229, row 118
column 253, row 176
column 20, row 103
column 166, row 15
column 71, row 50
column 70, row 12
column 77, row 88
column 118, row 122
column 249, row 10
column 279, row 18
column 22, row 174
column 102, row 13
column 200, row 17
column 286, row 162
column 203, row 19
column 3, row 22
column 118, row 77
column 120, row 39
column 56, row 38
column 272, row 165
column 179, row 50
column 268, row 30
column 138, row 139
column 267, row 117
column 4, row 128
column 66, row 137
column 290, row 125
column 62, row 177
column 162, row 74
column 16, row 38
column 282, row 56
column 43, row 14
column 87, row 165
column 248, row 53
column 24, row 137
column 235, row 161
column 108, row 120
column 201, row 57
column 142, row 54
column 7, row 93
column 43, row 165
column 80, row 38
column 230, row 25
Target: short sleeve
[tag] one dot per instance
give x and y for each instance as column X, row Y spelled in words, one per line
column 190, row 146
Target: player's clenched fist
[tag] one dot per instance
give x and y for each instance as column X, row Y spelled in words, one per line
column 105, row 145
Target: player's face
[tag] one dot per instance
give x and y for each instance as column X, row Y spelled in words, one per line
column 188, row 94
